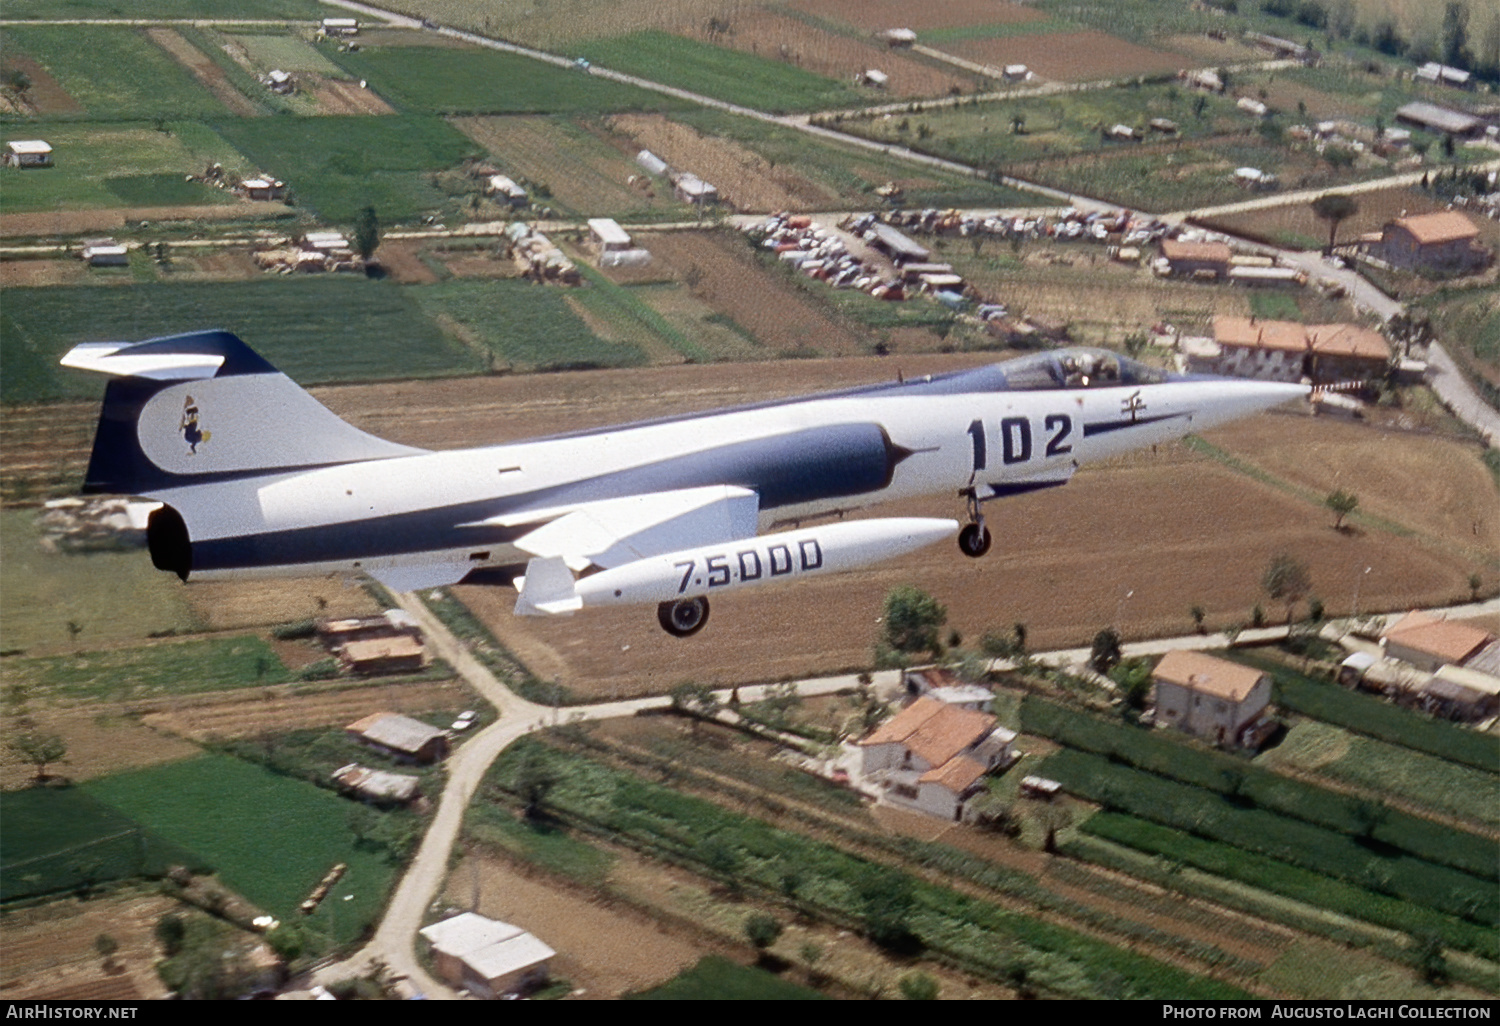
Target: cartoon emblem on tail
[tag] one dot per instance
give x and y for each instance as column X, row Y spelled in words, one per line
column 192, row 433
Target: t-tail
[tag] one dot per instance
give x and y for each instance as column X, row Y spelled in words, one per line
column 202, row 407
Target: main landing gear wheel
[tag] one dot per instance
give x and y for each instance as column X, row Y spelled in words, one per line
column 974, row 540
column 683, row 618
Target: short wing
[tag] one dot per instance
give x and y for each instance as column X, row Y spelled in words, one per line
column 612, row 532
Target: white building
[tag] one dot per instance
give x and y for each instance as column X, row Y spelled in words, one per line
column 931, row 756
column 486, row 957
column 28, row 153
column 607, row 234
column 1217, row 700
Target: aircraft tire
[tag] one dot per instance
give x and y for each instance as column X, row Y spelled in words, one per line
column 974, row 540
column 683, row 618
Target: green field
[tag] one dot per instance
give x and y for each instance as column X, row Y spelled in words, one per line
column 45, row 591
column 1383, row 768
column 338, row 165
column 59, row 839
column 162, row 669
column 270, row 838
column 854, row 172
column 444, row 80
column 115, row 72
column 523, row 326
column 111, row 165
column 315, row 329
column 287, row 52
column 717, row 979
column 61, row 10
column 729, row 75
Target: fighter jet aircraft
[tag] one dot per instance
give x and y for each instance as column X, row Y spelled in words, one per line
column 257, row 478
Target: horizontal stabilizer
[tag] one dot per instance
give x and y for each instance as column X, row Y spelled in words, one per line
column 117, row 360
column 548, row 589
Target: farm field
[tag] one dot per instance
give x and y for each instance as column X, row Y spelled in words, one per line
column 833, row 55
column 160, row 670
column 106, row 165
column 67, row 10
column 581, row 165
column 1067, row 56
column 270, row 838
column 339, row 164
column 48, row 951
column 112, row 74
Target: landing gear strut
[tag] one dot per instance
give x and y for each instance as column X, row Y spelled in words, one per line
column 974, row 540
column 683, row 618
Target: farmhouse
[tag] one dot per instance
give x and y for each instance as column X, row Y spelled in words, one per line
column 931, row 755
column 400, row 737
column 28, row 153
column 1249, row 347
column 1217, row 700
column 1428, row 643
column 390, row 624
column 1442, row 241
column 382, row 655
column 486, row 957
column 1439, row 119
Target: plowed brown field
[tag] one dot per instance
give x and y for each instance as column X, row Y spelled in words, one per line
column 745, row 180
column 1070, row 56
column 875, row 15
column 771, row 311
column 46, row 95
column 204, row 70
column 769, row 34
column 48, row 952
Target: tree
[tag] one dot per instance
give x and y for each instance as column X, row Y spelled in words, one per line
column 106, row 946
column 1456, row 35
column 1335, row 208
column 912, row 619
column 1106, row 651
column 762, row 930
column 366, row 232
column 1286, row 580
column 1198, row 614
column 40, row 750
column 918, row 986
column 1427, row 956
column 533, row 781
column 1342, row 503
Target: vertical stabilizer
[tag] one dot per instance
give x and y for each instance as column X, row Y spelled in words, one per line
column 204, row 406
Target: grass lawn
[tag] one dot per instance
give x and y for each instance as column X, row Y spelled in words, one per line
column 524, row 326
column 115, row 72
column 338, row 165
column 717, row 979
column 154, row 671
column 729, row 75
column 120, row 164
column 41, row 592
column 59, row 838
column 271, row 838
column 316, row 329
column 426, row 79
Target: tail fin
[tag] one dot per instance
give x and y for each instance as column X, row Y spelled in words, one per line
column 188, row 408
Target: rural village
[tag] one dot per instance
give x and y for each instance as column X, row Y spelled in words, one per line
column 1220, row 720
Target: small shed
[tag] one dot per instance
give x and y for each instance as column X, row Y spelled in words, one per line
column 28, row 153
column 691, row 189
column 875, row 78
column 340, row 26
column 400, row 737
column 651, row 162
column 1252, row 107
column 1016, row 73
column 607, row 234
column 263, row 189
column 899, row 37
column 280, row 81
column 507, row 191
column 1459, row 693
column 486, row 957
column 106, row 253
column 377, row 785
column 383, row 655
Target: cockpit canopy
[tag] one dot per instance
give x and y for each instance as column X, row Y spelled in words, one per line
column 1076, row 368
